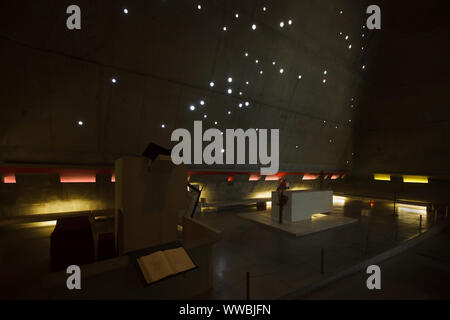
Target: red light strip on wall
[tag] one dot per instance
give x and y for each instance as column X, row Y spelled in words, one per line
column 310, row 176
column 9, row 178
column 77, row 178
column 254, row 177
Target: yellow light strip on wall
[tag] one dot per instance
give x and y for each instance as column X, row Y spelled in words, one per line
column 407, row 208
column 339, row 201
column 382, row 176
column 415, row 179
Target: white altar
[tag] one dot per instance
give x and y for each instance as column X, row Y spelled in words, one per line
column 302, row 204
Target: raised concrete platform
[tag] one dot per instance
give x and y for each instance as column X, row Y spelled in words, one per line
column 318, row 223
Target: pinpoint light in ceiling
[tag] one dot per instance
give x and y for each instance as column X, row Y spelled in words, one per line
column 325, row 72
column 125, row 10
column 362, row 48
column 246, row 54
column 349, row 46
column 290, row 22
column 253, row 26
column 281, row 70
column 346, row 37
column 341, row 12
column 230, row 79
column 296, row 147
column 229, row 112
column 230, row 91
column 224, row 28
column 114, row 80
column 247, row 103
column 299, row 76
column 240, row 93
column 80, row 123
column 236, row 15
column 247, row 83
column 324, row 80
column 281, row 24
column 363, row 67
column 264, row 8
column 256, row 61
column 215, row 122
column 261, row 72
column 273, row 62
column 363, row 35
column 202, row 102
column 223, row 150
column 192, row 107
column 199, row 7
column 163, row 125
column 211, row 84
column 205, row 116
column 240, row 105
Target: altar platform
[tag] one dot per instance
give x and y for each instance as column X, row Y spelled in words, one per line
column 317, row 223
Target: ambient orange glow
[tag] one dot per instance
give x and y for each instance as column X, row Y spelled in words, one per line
column 310, row 176
column 254, row 177
column 86, row 178
column 9, row 178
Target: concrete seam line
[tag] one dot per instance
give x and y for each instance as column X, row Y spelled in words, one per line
column 402, row 247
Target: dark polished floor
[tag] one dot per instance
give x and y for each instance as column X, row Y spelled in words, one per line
column 422, row 272
column 278, row 263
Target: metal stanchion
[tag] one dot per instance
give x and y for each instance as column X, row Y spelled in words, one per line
column 395, row 203
column 420, row 224
column 322, row 271
column 248, row 285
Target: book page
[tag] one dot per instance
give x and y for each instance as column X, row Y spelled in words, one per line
column 179, row 259
column 155, row 266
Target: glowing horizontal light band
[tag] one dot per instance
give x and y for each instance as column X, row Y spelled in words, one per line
column 382, row 177
column 339, row 200
column 272, row 178
column 415, row 179
column 310, row 176
column 407, row 208
column 334, row 176
column 9, row 178
column 113, row 178
column 77, row 178
column 254, row 177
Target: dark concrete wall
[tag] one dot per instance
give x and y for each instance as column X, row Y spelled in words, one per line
column 164, row 54
column 43, row 193
column 405, row 118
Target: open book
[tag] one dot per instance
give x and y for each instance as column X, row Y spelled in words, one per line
column 161, row 264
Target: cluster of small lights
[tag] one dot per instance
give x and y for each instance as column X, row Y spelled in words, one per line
column 281, row 70
column 282, row 23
